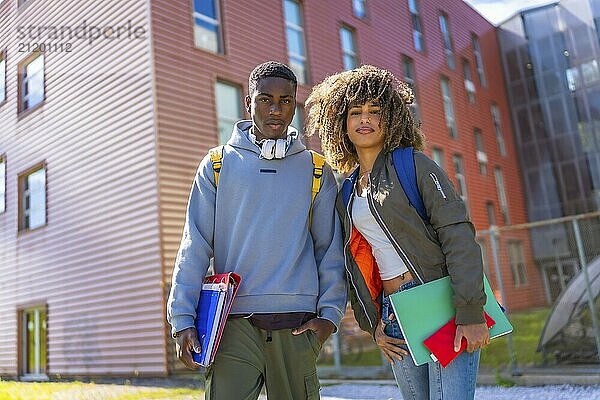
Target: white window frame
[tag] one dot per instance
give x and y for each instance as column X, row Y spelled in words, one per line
column 447, row 41
column 461, row 179
column 25, row 80
column 480, row 153
column 298, row 120
column 517, row 263
column 490, row 210
column 469, row 85
column 501, row 191
column 497, row 121
column 3, row 68
column 359, row 6
column 25, row 200
column 478, row 60
column 437, row 155
column 294, row 58
column 223, row 118
column 348, row 53
column 38, row 323
column 448, row 107
column 3, row 169
column 408, row 70
column 417, row 26
column 211, row 21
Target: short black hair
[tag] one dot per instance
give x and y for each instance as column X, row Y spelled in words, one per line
column 270, row 69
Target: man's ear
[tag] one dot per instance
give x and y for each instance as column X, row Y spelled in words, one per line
column 248, row 101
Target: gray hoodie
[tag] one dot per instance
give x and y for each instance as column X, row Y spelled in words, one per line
column 256, row 225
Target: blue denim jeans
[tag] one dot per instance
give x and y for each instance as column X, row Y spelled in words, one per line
column 431, row 381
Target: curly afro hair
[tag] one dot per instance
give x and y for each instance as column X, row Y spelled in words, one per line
column 328, row 109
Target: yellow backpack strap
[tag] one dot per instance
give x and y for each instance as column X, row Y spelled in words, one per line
column 216, row 156
column 318, row 161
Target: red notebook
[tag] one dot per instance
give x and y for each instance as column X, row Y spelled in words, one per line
column 441, row 343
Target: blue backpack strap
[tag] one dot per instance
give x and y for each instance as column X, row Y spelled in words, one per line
column 404, row 162
column 348, row 186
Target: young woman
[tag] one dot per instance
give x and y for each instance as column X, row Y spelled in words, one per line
column 361, row 116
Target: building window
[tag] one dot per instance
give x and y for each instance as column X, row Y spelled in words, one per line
column 32, row 198
column 2, row 76
column 408, row 67
column 491, row 213
column 590, row 72
column 31, row 82
column 597, row 26
column 502, row 199
column 2, row 184
column 573, row 79
column 294, row 28
column 459, row 174
column 469, row 85
column 447, row 41
column 418, row 39
column 207, row 25
column 517, row 263
column 348, row 48
column 481, row 154
column 360, row 8
column 498, row 129
column 438, row 156
column 33, row 340
column 478, row 60
column 229, row 108
column 298, row 121
column 448, row 108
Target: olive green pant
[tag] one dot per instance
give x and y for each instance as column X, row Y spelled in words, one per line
column 246, row 361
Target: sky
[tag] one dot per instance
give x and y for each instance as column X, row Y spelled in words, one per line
column 497, row 11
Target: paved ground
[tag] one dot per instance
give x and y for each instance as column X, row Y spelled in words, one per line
column 567, row 382
column 389, row 392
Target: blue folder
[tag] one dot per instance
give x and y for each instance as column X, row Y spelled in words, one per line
column 210, row 306
column 214, row 304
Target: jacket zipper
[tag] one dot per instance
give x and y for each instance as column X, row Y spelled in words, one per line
column 348, row 270
column 391, row 237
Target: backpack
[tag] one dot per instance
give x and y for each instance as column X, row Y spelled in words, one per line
column 216, row 157
column 404, row 163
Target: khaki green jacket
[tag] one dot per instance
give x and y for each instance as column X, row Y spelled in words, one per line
column 444, row 245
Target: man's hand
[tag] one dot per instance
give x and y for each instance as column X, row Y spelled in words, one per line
column 185, row 342
column 389, row 346
column 477, row 335
column 323, row 328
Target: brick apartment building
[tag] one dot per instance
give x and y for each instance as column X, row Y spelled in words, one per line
column 101, row 133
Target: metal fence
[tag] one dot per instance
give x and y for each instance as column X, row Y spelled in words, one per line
column 546, row 274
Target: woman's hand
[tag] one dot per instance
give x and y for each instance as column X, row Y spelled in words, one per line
column 389, row 346
column 477, row 335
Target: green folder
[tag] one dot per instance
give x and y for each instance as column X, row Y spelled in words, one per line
column 424, row 309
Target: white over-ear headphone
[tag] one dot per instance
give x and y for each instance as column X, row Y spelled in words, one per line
column 273, row 148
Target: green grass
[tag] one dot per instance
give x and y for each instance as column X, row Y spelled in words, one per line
column 526, row 334
column 91, row 391
column 527, row 328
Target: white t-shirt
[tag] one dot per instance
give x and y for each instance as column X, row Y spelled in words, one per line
column 389, row 262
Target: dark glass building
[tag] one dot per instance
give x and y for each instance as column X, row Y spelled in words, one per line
column 551, row 57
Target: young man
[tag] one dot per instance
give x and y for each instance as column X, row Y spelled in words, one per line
column 259, row 222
